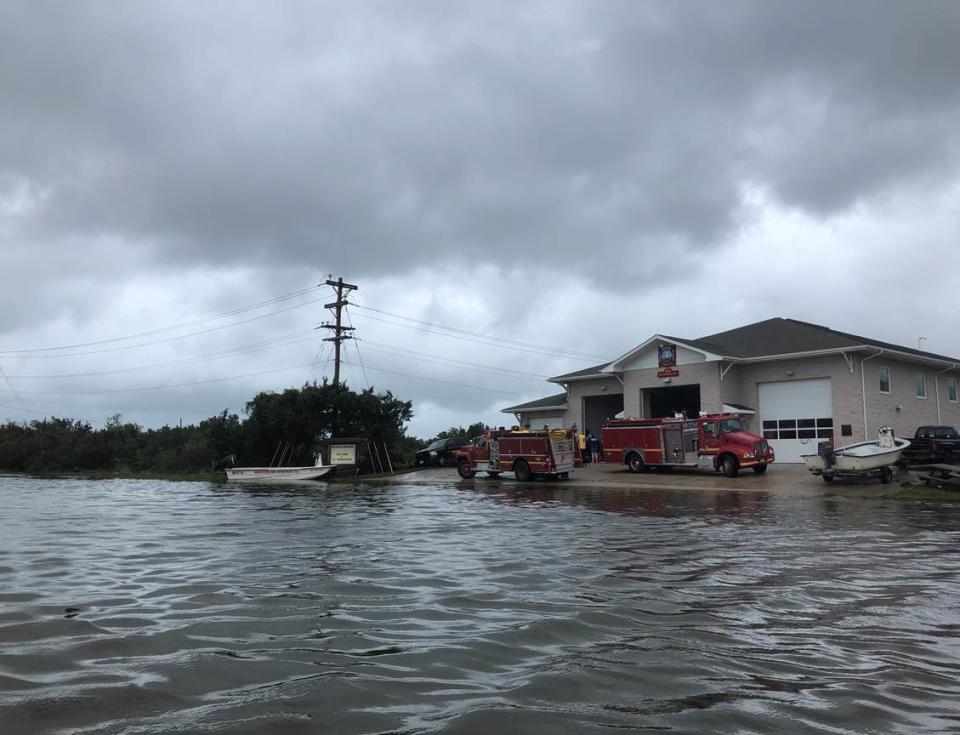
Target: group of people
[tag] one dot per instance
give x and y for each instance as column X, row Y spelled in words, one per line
column 589, row 446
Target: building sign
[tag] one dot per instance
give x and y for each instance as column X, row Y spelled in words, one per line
column 666, row 356
column 667, row 361
column 343, row 454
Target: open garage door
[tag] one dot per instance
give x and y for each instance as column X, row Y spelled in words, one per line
column 796, row 415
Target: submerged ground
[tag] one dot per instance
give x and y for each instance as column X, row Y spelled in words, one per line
column 690, row 604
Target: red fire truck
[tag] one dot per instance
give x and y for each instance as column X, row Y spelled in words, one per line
column 716, row 442
column 528, row 453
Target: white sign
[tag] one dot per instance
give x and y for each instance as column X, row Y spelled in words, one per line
column 343, row 454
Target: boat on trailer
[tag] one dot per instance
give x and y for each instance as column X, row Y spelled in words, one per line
column 278, row 474
column 858, row 461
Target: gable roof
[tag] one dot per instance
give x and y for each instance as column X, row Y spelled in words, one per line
column 557, row 402
column 780, row 336
column 776, row 337
column 591, row 372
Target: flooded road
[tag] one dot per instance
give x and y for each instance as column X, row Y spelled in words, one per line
column 153, row 607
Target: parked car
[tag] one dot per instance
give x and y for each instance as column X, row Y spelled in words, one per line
column 438, row 453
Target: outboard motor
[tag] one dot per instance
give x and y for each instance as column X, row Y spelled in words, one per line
column 225, row 464
column 825, row 450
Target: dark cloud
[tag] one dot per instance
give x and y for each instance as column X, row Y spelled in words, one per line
column 609, row 152
column 240, row 133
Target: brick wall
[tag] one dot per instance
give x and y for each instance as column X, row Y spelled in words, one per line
column 901, row 408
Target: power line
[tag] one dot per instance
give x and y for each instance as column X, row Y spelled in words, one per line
column 480, row 335
column 247, row 349
column 157, row 387
column 169, row 339
column 490, row 342
column 366, row 380
column 450, row 362
column 161, row 330
column 438, row 380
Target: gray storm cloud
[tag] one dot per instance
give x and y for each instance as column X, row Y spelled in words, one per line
column 609, row 155
column 393, row 136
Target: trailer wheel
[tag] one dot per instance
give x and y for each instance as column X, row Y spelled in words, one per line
column 493, row 474
column 635, row 462
column 464, row 470
column 521, row 470
column 760, row 468
column 730, row 466
column 564, row 475
column 828, row 478
column 886, row 475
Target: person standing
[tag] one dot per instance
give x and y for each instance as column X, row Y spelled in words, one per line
column 593, row 444
column 582, row 446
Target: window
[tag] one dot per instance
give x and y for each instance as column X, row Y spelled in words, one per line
column 884, row 380
column 920, row 381
column 952, row 390
column 728, row 426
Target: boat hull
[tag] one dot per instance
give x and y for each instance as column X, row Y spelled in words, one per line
column 861, row 457
column 276, row 474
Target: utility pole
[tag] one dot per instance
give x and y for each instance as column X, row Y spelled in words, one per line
column 336, row 307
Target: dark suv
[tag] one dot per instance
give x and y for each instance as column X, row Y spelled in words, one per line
column 440, row 452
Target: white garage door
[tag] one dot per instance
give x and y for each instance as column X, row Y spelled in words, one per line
column 796, row 415
column 538, row 421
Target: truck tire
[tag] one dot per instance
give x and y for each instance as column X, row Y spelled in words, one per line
column 464, row 470
column 886, row 475
column 635, row 462
column 521, row 470
column 760, row 468
column 730, row 466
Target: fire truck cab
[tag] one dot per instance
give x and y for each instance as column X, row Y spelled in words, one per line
column 528, row 453
column 716, row 441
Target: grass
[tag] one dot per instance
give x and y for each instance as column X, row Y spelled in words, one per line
column 124, row 474
column 909, row 491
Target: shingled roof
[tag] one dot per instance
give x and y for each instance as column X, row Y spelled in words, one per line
column 776, row 336
column 779, row 336
column 558, row 402
column 590, row 372
column 769, row 338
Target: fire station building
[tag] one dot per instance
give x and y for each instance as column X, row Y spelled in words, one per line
column 794, row 382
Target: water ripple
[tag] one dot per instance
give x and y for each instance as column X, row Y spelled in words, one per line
column 143, row 607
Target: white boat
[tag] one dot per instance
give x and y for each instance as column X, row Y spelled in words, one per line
column 859, row 459
column 278, row 474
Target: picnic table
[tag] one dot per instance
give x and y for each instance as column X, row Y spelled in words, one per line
column 945, row 476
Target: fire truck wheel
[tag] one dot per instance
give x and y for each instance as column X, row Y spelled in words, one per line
column 463, row 469
column 760, row 468
column 521, row 470
column 730, row 466
column 635, row 462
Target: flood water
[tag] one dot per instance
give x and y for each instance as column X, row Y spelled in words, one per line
column 479, row 607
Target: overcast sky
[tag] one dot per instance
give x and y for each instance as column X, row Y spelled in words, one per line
column 571, row 175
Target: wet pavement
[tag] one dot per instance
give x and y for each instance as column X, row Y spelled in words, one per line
column 781, row 479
